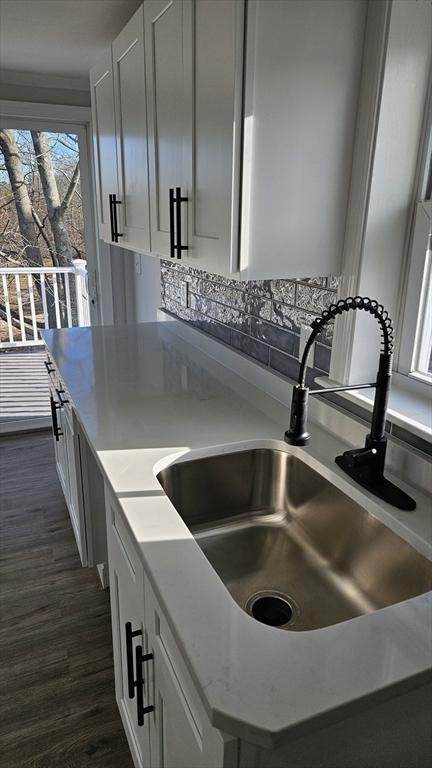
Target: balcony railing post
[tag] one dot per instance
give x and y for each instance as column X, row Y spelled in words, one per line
column 26, row 312
column 80, row 267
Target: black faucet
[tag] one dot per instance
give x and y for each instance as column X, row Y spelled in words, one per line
column 364, row 465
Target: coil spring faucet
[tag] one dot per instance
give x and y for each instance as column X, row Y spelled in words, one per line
column 364, row 465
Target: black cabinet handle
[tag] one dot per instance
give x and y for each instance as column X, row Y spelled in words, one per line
column 171, row 222
column 62, row 400
column 54, row 408
column 179, row 200
column 175, row 222
column 111, row 216
column 116, row 233
column 129, row 657
column 48, row 367
column 140, row 658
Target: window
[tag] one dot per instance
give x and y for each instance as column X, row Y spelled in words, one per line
column 415, row 359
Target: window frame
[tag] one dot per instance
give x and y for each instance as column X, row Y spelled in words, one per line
column 417, row 310
column 72, row 119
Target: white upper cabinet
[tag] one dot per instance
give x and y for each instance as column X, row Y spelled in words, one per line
column 302, row 87
column 213, row 69
column 131, row 120
column 120, row 139
column 165, row 99
column 104, row 141
column 247, row 115
column 194, row 55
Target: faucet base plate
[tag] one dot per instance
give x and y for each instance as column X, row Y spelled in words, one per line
column 379, row 486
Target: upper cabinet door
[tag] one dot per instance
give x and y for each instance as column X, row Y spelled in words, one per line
column 131, row 131
column 104, row 143
column 164, row 77
column 213, row 61
column 302, row 88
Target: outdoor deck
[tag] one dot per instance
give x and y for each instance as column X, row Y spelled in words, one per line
column 23, row 385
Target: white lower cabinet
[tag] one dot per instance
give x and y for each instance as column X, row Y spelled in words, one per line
column 66, row 450
column 151, row 679
column 59, row 441
column 180, row 731
column 79, row 475
column 129, row 634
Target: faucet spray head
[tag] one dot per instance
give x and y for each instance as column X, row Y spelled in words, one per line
column 297, row 433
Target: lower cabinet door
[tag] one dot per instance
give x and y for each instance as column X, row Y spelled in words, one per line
column 181, row 733
column 129, row 636
column 60, row 454
column 74, row 498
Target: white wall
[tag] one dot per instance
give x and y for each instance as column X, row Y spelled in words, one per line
column 147, row 288
column 136, row 287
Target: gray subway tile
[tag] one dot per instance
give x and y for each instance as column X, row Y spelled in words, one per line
column 251, row 347
column 313, row 299
column 259, row 288
column 283, row 290
column 173, row 291
column 277, row 337
column 176, row 309
column 219, row 312
column 288, row 366
column 251, row 316
column 321, row 281
column 213, row 328
column 285, row 364
column 259, row 307
column 225, row 294
column 322, row 357
column 294, row 319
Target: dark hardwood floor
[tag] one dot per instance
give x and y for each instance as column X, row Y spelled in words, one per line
column 57, row 705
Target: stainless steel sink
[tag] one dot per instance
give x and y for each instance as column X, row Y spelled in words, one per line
column 291, row 548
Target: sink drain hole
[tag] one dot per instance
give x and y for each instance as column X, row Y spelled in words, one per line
column 271, row 609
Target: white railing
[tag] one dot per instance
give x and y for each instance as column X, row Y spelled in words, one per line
column 34, row 298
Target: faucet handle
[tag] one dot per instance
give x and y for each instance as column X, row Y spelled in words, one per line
column 359, row 457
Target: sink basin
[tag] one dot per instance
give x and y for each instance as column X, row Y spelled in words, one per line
column 291, row 548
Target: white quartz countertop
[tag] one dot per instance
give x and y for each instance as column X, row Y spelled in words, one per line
column 144, row 397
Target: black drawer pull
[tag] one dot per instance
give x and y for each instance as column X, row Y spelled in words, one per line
column 48, row 367
column 54, row 408
column 129, row 657
column 62, row 400
column 140, row 658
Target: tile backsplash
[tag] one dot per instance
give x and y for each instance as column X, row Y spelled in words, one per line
column 262, row 319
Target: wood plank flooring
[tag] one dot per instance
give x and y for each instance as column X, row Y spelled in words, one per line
column 23, row 385
column 57, row 705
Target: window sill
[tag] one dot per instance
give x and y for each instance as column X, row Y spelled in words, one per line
column 409, row 410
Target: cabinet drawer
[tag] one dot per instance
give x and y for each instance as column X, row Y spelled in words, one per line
column 118, row 530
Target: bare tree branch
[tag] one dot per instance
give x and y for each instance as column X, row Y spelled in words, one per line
column 71, row 189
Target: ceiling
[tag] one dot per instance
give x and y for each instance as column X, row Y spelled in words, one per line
column 58, row 37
